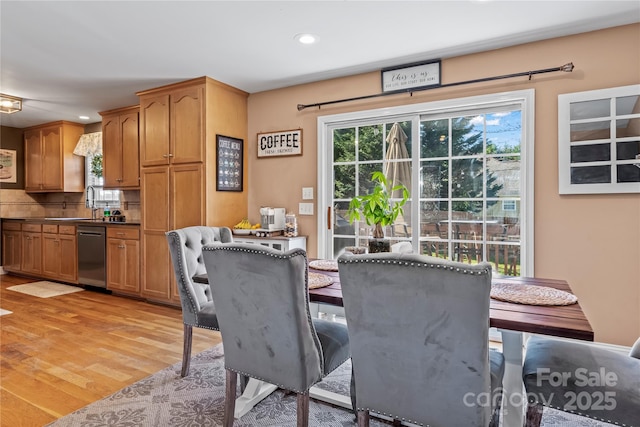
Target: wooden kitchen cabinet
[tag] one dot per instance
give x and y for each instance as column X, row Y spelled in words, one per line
column 50, row 165
column 60, row 252
column 31, row 249
column 172, row 125
column 121, row 148
column 178, row 128
column 123, row 260
column 11, row 246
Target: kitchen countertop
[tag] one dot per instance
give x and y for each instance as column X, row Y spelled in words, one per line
column 74, row 221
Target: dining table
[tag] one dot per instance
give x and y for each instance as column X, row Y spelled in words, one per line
column 512, row 320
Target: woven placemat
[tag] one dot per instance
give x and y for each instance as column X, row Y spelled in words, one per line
column 319, row 280
column 531, row 295
column 324, row 264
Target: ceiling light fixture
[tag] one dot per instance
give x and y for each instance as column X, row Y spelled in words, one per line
column 10, row 104
column 84, row 117
column 306, row 38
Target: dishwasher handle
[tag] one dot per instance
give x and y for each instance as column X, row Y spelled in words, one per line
column 89, row 233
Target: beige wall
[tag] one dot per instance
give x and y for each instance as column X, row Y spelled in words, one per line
column 592, row 241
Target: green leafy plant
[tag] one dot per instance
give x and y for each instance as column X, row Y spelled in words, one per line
column 377, row 208
column 96, row 165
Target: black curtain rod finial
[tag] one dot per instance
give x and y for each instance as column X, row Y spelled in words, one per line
column 567, row 68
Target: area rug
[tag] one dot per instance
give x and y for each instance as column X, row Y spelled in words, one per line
column 3, row 312
column 45, row 289
column 166, row 399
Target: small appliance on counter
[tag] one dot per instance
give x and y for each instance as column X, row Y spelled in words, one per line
column 272, row 219
column 115, row 216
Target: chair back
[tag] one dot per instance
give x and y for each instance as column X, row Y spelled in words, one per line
column 262, row 303
column 418, row 328
column 185, row 246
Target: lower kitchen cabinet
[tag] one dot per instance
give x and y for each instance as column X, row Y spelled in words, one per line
column 60, row 252
column 11, row 246
column 31, row 249
column 123, row 260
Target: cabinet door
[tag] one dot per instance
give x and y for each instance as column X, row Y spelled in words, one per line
column 115, row 264
column 131, row 277
column 129, row 136
column 156, row 263
column 50, row 255
column 111, row 151
column 187, row 196
column 187, row 125
column 52, row 178
column 32, row 252
column 11, row 250
column 154, row 130
column 154, row 198
column 68, row 258
column 33, row 160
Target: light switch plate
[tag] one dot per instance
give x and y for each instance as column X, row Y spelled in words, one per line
column 307, row 193
column 305, row 208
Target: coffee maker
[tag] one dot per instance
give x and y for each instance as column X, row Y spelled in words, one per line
column 272, row 219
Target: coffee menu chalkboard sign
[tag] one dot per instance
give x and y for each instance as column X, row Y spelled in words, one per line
column 228, row 163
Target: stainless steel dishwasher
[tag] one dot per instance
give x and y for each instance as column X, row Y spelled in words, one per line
column 92, row 254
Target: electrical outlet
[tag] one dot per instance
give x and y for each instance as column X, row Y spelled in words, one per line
column 307, row 193
column 305, row 208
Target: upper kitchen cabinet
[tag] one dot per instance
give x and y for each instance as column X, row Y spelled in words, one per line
column 120, row 148
column 50, row 165
column 172, row 125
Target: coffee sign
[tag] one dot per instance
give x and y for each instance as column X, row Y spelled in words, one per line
column 280, row 143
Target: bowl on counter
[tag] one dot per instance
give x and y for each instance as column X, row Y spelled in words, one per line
column 241, row 231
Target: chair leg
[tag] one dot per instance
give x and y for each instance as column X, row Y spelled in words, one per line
column 303, row 410
column 534, row 415
column 363, row 418
column 186, row 350
column 230, row 398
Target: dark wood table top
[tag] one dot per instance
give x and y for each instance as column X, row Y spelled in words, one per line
column 567, row 321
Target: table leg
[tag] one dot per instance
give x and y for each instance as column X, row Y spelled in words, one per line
column 255, row 391
column 514, row 399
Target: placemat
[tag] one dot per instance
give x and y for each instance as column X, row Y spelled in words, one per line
column 531, row 295
column 324, row 264
column 319, row 280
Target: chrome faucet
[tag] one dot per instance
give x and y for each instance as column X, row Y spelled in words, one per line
column 90, row 202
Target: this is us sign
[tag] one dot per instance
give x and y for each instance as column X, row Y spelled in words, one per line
column 280, row 143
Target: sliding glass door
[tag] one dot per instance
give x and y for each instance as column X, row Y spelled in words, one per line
column 465, row 165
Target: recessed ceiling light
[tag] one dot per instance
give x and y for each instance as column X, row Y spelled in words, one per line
column 306, row 38
column 84, row 117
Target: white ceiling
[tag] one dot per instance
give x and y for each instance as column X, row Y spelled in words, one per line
column 71, row 58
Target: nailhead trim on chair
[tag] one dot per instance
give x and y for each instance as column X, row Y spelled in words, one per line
column 176, row 238
column 414, row 264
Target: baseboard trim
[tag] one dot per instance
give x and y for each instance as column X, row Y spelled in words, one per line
column 2, row 271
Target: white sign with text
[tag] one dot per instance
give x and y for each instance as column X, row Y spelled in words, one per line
column 280, row 143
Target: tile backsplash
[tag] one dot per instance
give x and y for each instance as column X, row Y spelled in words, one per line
column 19, row 204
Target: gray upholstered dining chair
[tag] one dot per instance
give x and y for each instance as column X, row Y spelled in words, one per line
column 262, row 299
column 419, row 334
column 582, row 378
column 185, row 246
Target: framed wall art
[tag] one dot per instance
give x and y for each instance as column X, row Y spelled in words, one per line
column 406, row 78
column 229, row 163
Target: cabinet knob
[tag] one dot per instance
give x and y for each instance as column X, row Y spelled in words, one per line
column 165, row 155
column 170, row 155
column 121, row 246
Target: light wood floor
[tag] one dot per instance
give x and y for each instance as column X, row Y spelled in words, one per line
column 59, row 354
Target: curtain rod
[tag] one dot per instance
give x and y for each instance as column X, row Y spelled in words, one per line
column 567, row 68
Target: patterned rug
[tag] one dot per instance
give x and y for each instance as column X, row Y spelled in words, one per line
column 45, row 289
column 166, row 399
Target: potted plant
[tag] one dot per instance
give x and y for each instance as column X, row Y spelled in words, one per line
column 378, row 210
